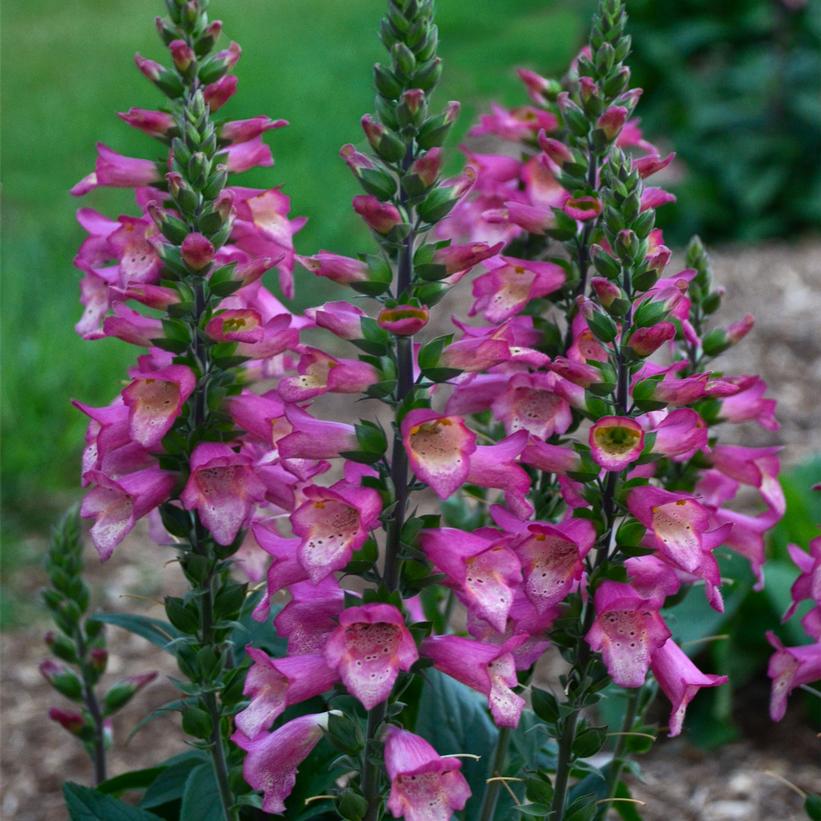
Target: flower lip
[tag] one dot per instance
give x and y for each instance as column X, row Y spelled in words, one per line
column 403, row 320
column 616, row 442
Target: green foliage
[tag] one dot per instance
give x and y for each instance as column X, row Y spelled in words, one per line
column 734, row 87
column 86, row 804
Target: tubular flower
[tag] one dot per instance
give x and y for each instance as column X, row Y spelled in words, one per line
column 424, row 785
column 272, row 759
column 616, row 442
column 368, row 649
column 790, row 667
column 627, row 631
column 439, row 449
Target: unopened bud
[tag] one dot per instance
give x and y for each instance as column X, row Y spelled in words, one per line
column 68, row 720
column 403, row 320
column 61, row 646
column 64, row 681
column 182, row 54
column 124, row 690
column 197, row 251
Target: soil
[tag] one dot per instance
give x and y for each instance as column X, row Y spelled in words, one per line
column 781, row 285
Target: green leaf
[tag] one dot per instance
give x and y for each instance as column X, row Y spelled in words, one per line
column 169, row 785
column 201, row 798
column 86, row 804
column 544, row 705
column 157, row 631
column 625, row 809
column 133, row 780
column 812, row 806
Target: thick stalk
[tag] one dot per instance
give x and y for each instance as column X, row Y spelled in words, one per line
column 491, row 796
column 93, row 706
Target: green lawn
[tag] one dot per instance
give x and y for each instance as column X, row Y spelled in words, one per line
column 67, row 68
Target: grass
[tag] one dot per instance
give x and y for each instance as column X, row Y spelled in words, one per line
column 67, row 69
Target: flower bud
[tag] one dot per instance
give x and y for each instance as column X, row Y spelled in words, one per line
column 182, row 54
column 582, row 208
column 381, row 217
column 150, row 69
column 646, row 341
column 612, row 121
column 124, row 690
column 627, row 243
column 428, row 166
column 197, row 251
column 556, row 150
column 403, row 320
column 154, row 123
column 606, row 291
column 98, row 658
column 61, row 646
column 64, row 681
column 587, row 88
column 68, row 720
column 217, row 94
column 652, row 164
column 738, row 330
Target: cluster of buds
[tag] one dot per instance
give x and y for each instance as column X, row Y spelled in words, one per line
column 79, row 647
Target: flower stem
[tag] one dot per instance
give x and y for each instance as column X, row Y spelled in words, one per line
column 491, row 795
column 93, row 706
column 617, row 765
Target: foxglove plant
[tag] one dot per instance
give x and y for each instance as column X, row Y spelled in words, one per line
column 535, row 481
column 169, row 445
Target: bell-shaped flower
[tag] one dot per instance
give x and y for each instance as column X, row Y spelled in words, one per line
column 424, row 785
column 551, row 458
column 483, row 572
column 616, row 442
column 495, row 466
column 532, row 402
column 757, row 467
column 340, row 318
column 627, row 630
column 488, row 668
column 131, row 326
column 312, row 438
column 240, row 131
column 272, row 759
column 680, row 433
column 511, row 284
column 155, row 399
column 680, row 680
column 153, row 123
column 276, row 683
column 343, row 270
column 460, row 259
column 368, row 649
column 223, row 488
column 312, row 615
column 439, row 449
column 552, row 559
column 116, row 506
column 677, row 525
column 117, row 171
column 646, row 341
column 750, row 404
column 403, row 320
column 244, row 156
column 790, row 667
column 808, row 583
column 319, row 373
column 332, row 523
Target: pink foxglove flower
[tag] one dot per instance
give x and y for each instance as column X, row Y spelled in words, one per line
column 223, row 488
column 368, row 649
column 495, row 466
column 680, row 434
column 381, row 217
column 484, row 572
column 312, row 615
column 312, row 438
column 117, row 171
column 488, row 668
column 616, row 442
column 439, row 449
column 155, row 399
column 627, row 631
column 116, row 506
column 340, row 318
column 319, row 373
column 808, row 583
column 424, row 785
column 403, row 320
column 790, row 667
column 274, row 684
column 680, row 680
column 333, row 523
column 272, row 759
column 533, row 402
column 343, row 270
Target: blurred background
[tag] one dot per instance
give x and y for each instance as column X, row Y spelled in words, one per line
column 734, row 87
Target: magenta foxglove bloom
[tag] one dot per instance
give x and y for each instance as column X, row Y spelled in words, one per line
column 116, row 506
column 340, row 318
column 276, row 683
column 344, row 270
column 218, row 93
column 616, row 442
column 808, row 583
column 790, row 667
column 677, row 525
column 312, row 615
column 318, row 373
column 333, row 522
column 532, row 402
column 552, row 560
column 155, row 399
column 488, row 668
column 459, row 259
column 758, row 467
column 551, row 458
column 627, row 631
column 312, row 438
column 483, row 572
column 368, row 649
column 272, row 759
column 131, row 326
column 246, row 155
column 511, row 283
column 749, row 404
column 403, row 320
column 680, row 680
column 117, row 171
column 680, row 434
column 646, row 341
column 223, row 489
column 239, row 131
column 381, row 217
column 495, row 466
column 424, row 785
column 153, row 123
column 439, row 449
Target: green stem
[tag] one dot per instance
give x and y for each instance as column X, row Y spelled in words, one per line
column 617, row 765
column 93, row 705
column 491, row 795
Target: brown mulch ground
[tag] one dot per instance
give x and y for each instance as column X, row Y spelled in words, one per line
column 780, row 284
